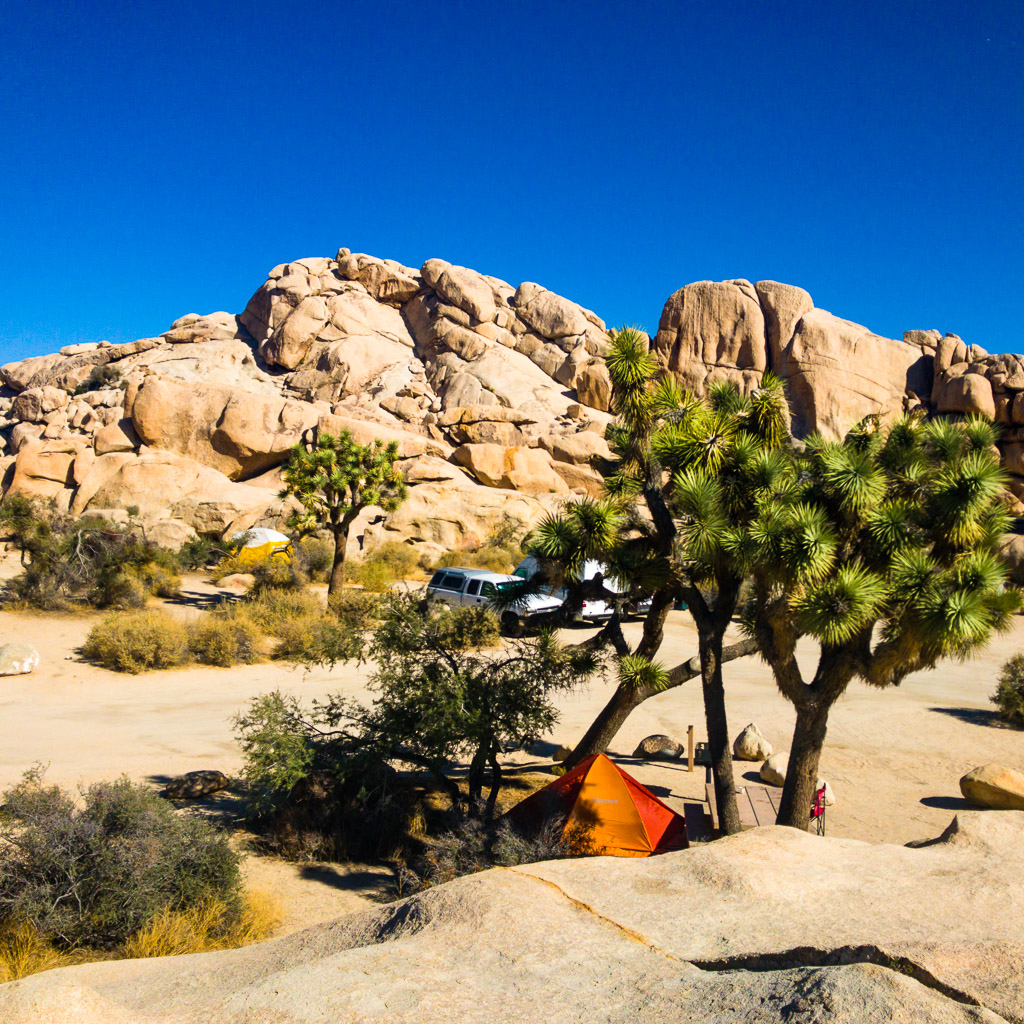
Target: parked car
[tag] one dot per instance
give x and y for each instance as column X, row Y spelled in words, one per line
column 592, row 611
column 460, row 588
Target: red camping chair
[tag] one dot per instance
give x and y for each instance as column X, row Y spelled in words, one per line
column 818, row 812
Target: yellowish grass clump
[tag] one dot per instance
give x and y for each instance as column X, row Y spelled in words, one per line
column 204, row 929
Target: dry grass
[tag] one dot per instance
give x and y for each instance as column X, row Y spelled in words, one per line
column 23, row 951
column 207, row 928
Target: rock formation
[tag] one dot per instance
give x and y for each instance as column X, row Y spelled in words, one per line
column 772, row 924
column 497, row 396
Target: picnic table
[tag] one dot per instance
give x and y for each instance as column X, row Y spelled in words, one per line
column 758, row 805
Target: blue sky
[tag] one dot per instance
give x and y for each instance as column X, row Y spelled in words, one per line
column 160, row 158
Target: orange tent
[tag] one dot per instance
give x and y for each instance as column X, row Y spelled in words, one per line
column 623, row 818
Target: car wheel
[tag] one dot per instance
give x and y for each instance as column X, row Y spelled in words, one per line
column 511, row 624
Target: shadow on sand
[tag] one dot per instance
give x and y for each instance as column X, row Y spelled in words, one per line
column 975, row 716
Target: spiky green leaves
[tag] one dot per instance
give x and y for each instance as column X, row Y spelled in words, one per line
column 642, row 675
column 837, row 608
column 335, row 477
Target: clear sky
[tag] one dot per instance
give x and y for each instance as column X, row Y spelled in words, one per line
column 160, row 158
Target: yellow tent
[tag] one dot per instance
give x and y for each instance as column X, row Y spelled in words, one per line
column 260, row 544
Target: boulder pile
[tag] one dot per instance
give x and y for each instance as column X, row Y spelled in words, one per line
column 497, row 396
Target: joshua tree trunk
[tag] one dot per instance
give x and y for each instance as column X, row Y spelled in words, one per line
column 718, row 733
column 607, row 724
column 338, row 566
column 614, row 714
column 802, row 772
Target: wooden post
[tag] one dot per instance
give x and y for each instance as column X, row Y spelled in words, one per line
column 689, row 749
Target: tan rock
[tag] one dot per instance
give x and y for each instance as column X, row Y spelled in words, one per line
column 550, row 315
column 43, row 469
column 364, row 431
column 583, row 448
column 450, row 515
column 235, row 432
column 580, row 479
column 35, row 404
column 522, row 469
column 969, row 393
column 713, row 330
column 461, row 287
column 18, row 375
column 773, row 771
column 594, row 386
column 385, row 280
column 783, row 305
column 751, row 745
column 838, row 372
column 117, row 437
column 994, row 785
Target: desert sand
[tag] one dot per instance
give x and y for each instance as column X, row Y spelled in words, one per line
column 893, row 757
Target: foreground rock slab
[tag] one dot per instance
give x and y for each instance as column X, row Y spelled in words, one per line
column 18, row 659
column 772, row 924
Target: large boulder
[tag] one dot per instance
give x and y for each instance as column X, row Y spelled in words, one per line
column 751, row 745
column 783, row 306
column 18, row 659
column 994, row 785
column 713, row 330
column 550, row 315
column 837, row 372
column 522, row 469
column 659, row 747
column 235, row 432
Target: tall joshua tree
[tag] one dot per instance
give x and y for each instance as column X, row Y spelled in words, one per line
column 678, row 508
column 334, row 479
column 882, row 548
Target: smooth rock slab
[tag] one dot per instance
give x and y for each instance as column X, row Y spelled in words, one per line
column 18, row 659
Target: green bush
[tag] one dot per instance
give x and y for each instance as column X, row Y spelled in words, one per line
column 136, row 641
column 273, row 610
column 1009, row 695
column 224, row 641
column 95, row 874
column 102, row 377
column 197, row 553
column 70, row 561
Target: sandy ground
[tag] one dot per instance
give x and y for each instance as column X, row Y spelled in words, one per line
column 893, row 757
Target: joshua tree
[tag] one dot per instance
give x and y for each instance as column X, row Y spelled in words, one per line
column 673, row 526
column 334, row 479
column 882, row 548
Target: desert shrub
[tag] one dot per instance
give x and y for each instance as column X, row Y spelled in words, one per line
column 100, row 378
column 1009, row 695
column 198, row 552
column 475, row 845
column 208, row 926
column 272, row 609
column 98, row 873
column 319, row 640
column 224, row 640
column 385, row 565
column 70, row 561
column 317, row 555
column 136, row 641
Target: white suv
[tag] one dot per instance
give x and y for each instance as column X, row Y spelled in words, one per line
column 468, row 587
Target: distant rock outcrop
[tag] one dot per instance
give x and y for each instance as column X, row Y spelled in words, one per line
column 769, row 925
column 498, row 396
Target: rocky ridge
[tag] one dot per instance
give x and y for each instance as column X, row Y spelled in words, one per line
column 771, row 924
column 497, row 396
